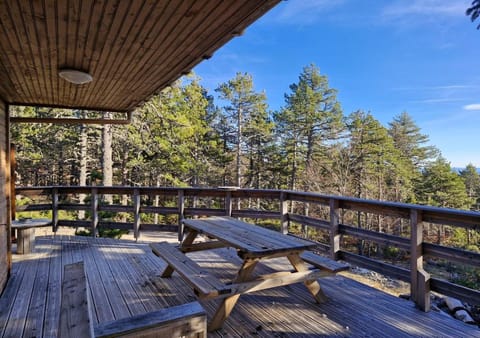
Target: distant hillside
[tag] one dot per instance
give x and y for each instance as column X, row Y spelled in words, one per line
column 458, row 169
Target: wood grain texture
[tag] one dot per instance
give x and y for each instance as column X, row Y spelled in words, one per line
column 75, row 312
column 186, row 320
column 4, row 206
column 364, row 310
column 132, row 48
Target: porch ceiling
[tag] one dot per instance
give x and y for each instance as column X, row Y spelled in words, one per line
column 132, row 48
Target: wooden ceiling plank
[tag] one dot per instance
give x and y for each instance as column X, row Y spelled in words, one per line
column 23, row 19
column 177, row 23
column 178, row 46
column 72, row 21
column 41, row 31
column 82, row 36
column 118, row 41
column 17, row 69
column 150, row 46
column 62, row 46
column 52, row 47
column 114, row 14
column 86, row 42
column 100, row 26
column 153, row 32
column 222, row 39
column 34, row 33
column 9, row 83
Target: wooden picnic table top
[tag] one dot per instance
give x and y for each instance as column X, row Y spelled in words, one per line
column 26, row 223
column 251, row 239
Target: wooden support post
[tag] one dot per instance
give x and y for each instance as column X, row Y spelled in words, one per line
column 284, row 222
column 181, row 213
column 94, row 205
column 54, row 210
column 12, row 177
column 228, row 203
column 136, row 213
column 10, row 194
column 334, row 229
column 419, row 279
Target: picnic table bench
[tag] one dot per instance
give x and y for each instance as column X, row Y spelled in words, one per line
column 253, row 244
column 26, row 232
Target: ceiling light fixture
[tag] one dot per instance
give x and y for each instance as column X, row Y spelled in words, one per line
column 75, row 76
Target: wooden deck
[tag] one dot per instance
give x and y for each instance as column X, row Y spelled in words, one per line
column 124, row 280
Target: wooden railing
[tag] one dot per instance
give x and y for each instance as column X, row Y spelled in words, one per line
column 277, row 205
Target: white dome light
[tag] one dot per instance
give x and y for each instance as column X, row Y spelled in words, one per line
column 75, row 76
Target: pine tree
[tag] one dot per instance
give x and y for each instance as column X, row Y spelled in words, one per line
column 415, row 154
column 248, row 127
column 440, row 186
column 372, row 155
column 311, row 120
column 472, row 183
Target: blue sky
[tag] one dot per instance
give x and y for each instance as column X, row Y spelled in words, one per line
column 386, row 57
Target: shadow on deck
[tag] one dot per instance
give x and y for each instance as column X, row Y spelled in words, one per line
column 124, row 281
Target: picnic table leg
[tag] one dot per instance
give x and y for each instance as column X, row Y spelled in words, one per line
column 192, row 234
column 312, row 285
column 226, row 306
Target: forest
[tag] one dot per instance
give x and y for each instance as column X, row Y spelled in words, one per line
column 183, row 137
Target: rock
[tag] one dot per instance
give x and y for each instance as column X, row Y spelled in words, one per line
column 458, row 310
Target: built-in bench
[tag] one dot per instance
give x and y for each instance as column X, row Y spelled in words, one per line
column 186, row 320
column 26, row 233
column 323, row 263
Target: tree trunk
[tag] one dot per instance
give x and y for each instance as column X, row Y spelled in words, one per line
column 107, row 162
column 82, row 179
column 239, row 148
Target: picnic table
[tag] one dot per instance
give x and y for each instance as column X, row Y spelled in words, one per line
column 26, row 232
column 253, row 244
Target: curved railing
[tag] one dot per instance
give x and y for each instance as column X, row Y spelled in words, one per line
column 335, row 216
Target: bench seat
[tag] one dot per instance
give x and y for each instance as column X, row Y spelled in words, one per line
column 186, row 320
column 323, row 263
column 204, row 284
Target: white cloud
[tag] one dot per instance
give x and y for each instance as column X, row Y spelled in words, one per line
column 305, row 11
column 426, row 8
column 473, row 106
column 441, row 14
column 439, row 100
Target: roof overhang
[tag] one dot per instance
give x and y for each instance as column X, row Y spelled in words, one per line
column 131, row 48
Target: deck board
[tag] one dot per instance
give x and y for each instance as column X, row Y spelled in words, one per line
column 124, row 279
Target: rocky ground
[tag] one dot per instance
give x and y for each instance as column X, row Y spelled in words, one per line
column 402, row 289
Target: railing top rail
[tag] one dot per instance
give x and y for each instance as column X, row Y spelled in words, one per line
column 396, row 209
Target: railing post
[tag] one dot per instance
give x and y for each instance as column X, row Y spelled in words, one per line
column 228, row 203
column 54, row 210
column 136, row 213
column 284, row 222
column 419, row 279
column 306, row 209
column 94, row 206
column 334, row 229
column 181, row 213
